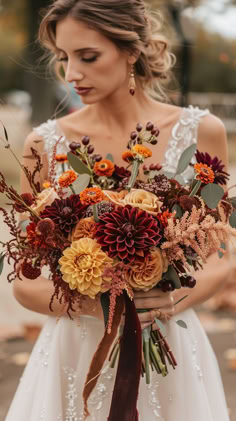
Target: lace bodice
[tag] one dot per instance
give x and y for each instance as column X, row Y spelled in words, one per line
column 183, row 134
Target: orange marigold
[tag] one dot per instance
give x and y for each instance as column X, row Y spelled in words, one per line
column 67, row 178
column 205, row 174
column 127, row 156
column 142, row 150
column 61, row 158
column 46, row 184
column 104, row 168
column 91, row 196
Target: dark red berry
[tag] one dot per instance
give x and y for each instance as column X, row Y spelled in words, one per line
column 145, row 168
column 85, row 140
column 152, row 167
column 133, row 135
column 74, row 145
column 98, row 158
column 90, row 149
column 139, row 127
column 154, row 142
column 190, row 282
column 149, row 126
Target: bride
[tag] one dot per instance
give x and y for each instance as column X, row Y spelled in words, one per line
column 116, row 57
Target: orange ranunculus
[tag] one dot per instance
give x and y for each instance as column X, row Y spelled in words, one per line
column 91, row 196
column 205, row 174
column 104, row 168
column 61, row 158
column 127, row 156
column 141, row 150
column 144, row 275
column 85, row 228
column 67, row 178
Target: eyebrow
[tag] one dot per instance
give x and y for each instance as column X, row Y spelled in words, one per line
column 79, row 50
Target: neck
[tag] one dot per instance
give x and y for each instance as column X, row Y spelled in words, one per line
column 122, row 111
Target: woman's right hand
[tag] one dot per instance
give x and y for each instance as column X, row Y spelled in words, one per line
column 160, row 305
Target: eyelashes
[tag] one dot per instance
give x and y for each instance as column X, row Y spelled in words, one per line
column 85, row 60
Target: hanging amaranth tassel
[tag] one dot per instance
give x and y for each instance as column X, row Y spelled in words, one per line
column 132, row 84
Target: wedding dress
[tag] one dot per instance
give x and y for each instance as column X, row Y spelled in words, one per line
column 51, row 386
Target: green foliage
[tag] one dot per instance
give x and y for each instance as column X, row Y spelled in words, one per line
column 212, row 194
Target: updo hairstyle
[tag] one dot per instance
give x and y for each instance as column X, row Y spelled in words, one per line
column 129, row 25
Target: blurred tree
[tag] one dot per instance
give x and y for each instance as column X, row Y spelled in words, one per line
column 42, row 89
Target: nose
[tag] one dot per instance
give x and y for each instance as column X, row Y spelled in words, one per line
column 72, row 73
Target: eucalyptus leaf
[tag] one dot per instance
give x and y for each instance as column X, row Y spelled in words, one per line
column 173, row 276
column 2, row 257
column 212, row 194
column 232, row 220
column 220, row 254
column 178, row 211
column 181, row 323
column 23, row 224
column 105, row 302
column 233, row 201
column 81, row 183
column 110, row 157
column 180, row 179
column 77, row 165
column 169, row 174
column 186, row 158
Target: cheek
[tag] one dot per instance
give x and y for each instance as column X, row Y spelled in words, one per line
column 112, row 68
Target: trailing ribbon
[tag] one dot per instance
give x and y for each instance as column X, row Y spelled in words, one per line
column 125, row 394
column 101, row 354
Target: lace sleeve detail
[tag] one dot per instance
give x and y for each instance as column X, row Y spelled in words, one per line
column 184, row 134
column 50, row 136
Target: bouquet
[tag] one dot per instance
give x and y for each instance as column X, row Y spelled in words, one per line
column 106, row 231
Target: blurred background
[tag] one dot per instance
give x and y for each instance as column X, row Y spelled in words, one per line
column 203, row 34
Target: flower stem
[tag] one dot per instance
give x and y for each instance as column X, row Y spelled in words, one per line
column 134, row 174
column 195, row 188
column 95, row 213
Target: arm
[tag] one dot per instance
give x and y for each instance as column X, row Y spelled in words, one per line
column 212, row 139
column 35, row 294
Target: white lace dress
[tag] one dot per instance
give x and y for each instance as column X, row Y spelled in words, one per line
column 51, row 386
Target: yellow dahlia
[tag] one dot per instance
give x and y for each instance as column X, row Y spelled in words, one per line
column 82, row 266
column 145, row 275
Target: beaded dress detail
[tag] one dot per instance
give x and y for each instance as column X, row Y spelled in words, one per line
column 51, row 386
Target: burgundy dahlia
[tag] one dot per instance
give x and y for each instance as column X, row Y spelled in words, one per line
column 221, row 177
column 127, row 233
column 65, row 213
column 121, row 172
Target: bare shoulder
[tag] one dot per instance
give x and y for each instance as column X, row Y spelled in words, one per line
column 212, row 137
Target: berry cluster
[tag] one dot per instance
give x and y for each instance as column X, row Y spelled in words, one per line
column 85, row 151
column 141, row 135
column 168, row 286
column 152, row 167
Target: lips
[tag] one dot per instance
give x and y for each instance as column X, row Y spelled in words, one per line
column 82, row 90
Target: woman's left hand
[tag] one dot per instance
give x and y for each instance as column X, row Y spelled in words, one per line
column 160, row 304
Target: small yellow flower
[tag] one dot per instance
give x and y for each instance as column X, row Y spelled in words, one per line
column 142, row 150
column 46, row 184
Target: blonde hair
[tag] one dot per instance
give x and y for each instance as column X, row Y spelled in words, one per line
column 129, row 25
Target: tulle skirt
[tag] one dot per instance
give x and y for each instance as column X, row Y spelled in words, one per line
column 52, row 384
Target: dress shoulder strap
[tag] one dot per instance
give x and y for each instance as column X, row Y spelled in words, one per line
column 184, row 134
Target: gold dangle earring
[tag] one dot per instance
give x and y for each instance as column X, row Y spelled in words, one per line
column 132, row 84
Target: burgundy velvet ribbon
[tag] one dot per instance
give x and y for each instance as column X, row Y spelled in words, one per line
column 125, row 394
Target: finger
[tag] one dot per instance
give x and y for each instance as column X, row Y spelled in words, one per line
column 143, row 303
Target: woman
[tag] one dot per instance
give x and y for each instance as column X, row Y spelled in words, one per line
column 104, row 46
